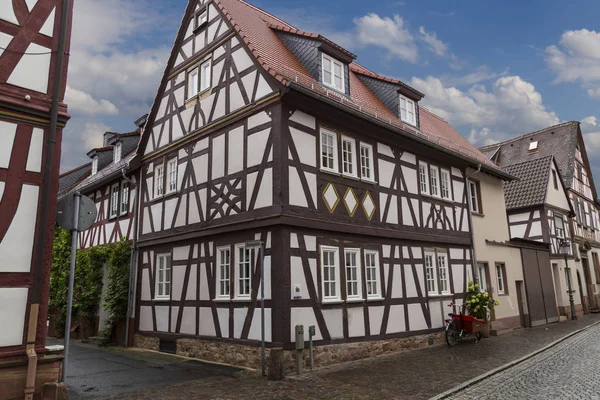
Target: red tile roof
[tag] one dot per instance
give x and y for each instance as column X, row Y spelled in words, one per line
column 256, row 28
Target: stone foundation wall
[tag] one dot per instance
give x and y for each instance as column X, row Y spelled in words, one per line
column 249, row 356
column 146, row 342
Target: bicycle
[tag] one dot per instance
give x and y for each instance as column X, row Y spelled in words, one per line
column 461, row 326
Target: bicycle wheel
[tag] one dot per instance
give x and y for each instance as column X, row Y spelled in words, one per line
column 451, row 334
column 478, row 336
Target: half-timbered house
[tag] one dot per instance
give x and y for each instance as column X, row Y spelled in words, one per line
column 571, row 169
column 359, row 194
column 109, row 179
column 29, row 160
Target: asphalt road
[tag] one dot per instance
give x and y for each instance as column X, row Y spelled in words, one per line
column 101, row 372
column 565, row 371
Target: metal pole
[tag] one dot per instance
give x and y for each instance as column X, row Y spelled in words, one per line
column 310, row 347
column 262, row 307
column 572, row 303
column 77, row 197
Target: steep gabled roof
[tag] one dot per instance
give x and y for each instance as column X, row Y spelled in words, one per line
column 559, row 141
column 259, row 30
column 69, row 179
column 532, row 185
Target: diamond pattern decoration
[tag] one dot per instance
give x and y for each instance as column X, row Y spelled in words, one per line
column 351, row 202
column 368, row 205
column 331, row 197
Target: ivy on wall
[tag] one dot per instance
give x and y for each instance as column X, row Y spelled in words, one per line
column 87, row 290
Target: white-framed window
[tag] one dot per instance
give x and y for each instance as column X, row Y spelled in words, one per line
column 559, row 226
column 437, row 270
column 205, row 75
column 192, row 83
column 124, row 198
column 372, row 274
column 330, row 273
column 407, row 110
column 445, row 184
column 333, row 73
column 244, row 257
column 201, row 19
column 431, row 270
column 329, row 151
column 435, row 181
column 366, row 162
column 159, row 180
column 442, row 264
column 114, row 200
column 500, row 278
column 352, row 265
column 95, row 165
column 348, row 156
column 474, row 197
column 163, row 276
column 533, row 146
column 172, row 175
column 424, row 177
column 223, row 272
column 481, row 276
column 117, row 152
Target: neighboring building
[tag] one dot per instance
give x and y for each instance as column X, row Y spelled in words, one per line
column 29, row 43
column 564, row 142
column 68, row 180
column 261, row 131
column 110, row 181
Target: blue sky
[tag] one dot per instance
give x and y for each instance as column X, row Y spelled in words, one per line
column 493, row 69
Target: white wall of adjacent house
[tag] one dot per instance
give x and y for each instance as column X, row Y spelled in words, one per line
column 556, row 195
column 492, row 225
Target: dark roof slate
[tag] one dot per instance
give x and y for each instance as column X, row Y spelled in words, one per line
column 532, row 186
column 70, row 178
column 559, row 141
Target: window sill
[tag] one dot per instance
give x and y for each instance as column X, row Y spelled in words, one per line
column 355, row 300
column 222, row 300
column 439, row 295
column 477, row 214
column 449, row 201
column 375, row 299
column 162, row 299
column 369, row 181
column 354, row 177
column 330, row 171
column 242, row 300
column 329, row 302
column 341, row 92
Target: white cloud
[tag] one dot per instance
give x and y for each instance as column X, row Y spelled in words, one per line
column 589, row 124
column 435, row 45
column 479, row 74
column 80, row 101
column 389, row 33
column 577, row 59
column 511, row 106
column 93, row 134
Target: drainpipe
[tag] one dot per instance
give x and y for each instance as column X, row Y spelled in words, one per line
column 133, row 259
column 36, row 289
column 474, row 254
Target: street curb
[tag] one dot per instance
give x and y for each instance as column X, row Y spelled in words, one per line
column 506, row 366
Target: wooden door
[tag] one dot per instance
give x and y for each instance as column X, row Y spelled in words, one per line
column 545, row 271
column 535, row 296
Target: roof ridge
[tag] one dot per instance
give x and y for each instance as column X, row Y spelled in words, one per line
column 432, row 113
column 266, row 13
column 489, row 146
column 75, row 169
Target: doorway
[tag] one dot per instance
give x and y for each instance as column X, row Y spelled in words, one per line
column 522, row 305
column 588, row 284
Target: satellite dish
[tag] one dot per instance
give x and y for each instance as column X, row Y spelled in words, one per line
column 66, row 208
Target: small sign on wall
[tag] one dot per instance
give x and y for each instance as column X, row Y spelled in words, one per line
column 297, row 290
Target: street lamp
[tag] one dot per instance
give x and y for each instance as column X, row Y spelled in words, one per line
column 565, row 247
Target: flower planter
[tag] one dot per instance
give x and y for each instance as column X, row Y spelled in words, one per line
column 485, row 330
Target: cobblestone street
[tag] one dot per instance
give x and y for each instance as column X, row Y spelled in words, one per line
column 419, row 374
column 565, row 371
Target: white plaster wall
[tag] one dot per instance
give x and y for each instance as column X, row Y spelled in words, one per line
column 32, row 71
column 239, row 316
column 206, row 326
column 223, row 314
column 17, row 246
column 34, row 158
column 306, row 317
column 356, row 322
column 396, row 322
column 12, row 318
column 9, row 131
column 145, row 318
column 556, row 197
column 305, row 146
column 257, row 143
column 304, row 119
column 255, row 326
column 416, row 317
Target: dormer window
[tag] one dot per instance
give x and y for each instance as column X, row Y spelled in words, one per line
column 533, row 146
column 200, row 19
column 407, row 111
column 333, row 73
column 117, row 153
column 95, row 165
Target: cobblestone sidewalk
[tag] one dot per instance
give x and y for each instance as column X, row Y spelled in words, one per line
column 565, row 371
column 419, row 374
